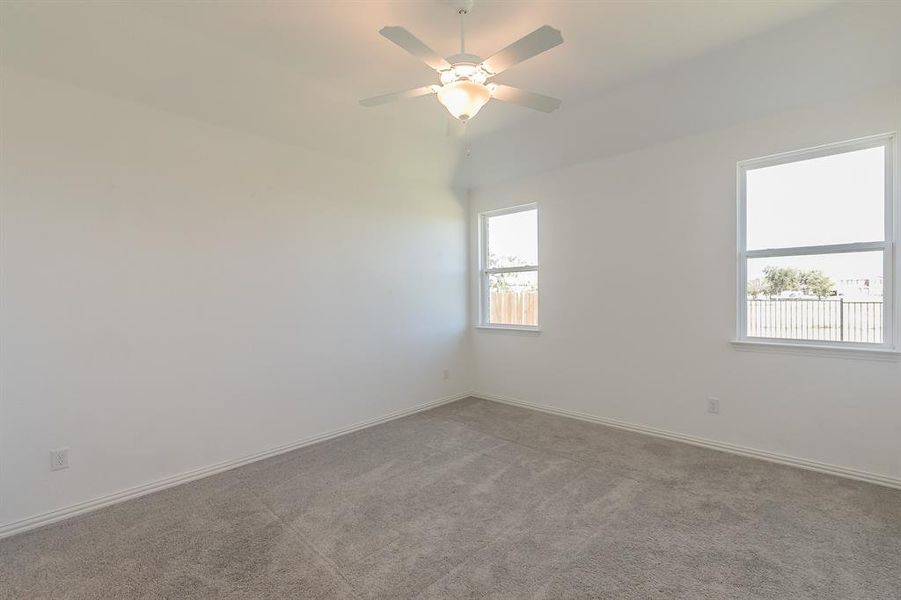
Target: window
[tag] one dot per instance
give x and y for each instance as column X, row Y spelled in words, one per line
column 816, row 244
column 508, row 268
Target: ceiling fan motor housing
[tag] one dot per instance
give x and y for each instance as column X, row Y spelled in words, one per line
column 465, row 58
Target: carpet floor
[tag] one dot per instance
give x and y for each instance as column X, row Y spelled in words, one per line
column 477, row 499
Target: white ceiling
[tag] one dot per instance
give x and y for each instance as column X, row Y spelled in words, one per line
column 294, row 71
column 337, row 44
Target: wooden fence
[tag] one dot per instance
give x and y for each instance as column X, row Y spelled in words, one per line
column 514, row 308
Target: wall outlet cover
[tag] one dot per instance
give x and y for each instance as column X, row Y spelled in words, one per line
column 59, row 459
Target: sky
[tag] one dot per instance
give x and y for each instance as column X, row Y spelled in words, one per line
column 830, row 200
column 514, row 235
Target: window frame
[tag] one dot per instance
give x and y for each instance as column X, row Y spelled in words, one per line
column 484, row 308
column 888, row 246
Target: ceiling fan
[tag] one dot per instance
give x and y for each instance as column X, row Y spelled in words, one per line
column 466, row 84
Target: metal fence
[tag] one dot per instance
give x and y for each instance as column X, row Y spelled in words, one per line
column 828, row 320
column 832, row 320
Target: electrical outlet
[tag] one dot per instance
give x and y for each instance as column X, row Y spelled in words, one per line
column 447, row 373
column 59, row 459
column 713, row 406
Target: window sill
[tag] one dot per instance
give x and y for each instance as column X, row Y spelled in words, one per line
column 865, row 353
column 510, row 328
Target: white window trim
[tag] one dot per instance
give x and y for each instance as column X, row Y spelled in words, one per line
column 889, row 247
column 484, row 273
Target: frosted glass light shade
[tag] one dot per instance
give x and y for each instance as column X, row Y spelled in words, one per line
column 463, row 99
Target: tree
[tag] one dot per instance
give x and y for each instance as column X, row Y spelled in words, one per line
column 815, row 283
column 789, row 279
column 508, row 282
column 503, row 282
column 781, row 279
column 756, row 287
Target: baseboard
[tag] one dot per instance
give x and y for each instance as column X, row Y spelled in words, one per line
column 67, row 512
column 60, row 514
column 783, row 459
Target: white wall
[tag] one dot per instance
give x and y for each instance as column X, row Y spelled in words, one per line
column 637, row 301
column 177, row 294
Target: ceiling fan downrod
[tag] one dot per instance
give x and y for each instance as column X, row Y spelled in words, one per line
column 462, row 12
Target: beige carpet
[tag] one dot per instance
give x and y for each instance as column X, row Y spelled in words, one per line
column 480, row 500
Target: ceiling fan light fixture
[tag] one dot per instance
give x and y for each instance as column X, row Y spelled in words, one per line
column 465, row 88
column 464, row 99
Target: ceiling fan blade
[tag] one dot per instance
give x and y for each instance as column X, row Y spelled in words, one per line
column 386, row 98
column 506, row 93
column 543, row 38
column 455, row 128
column 414, row 46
